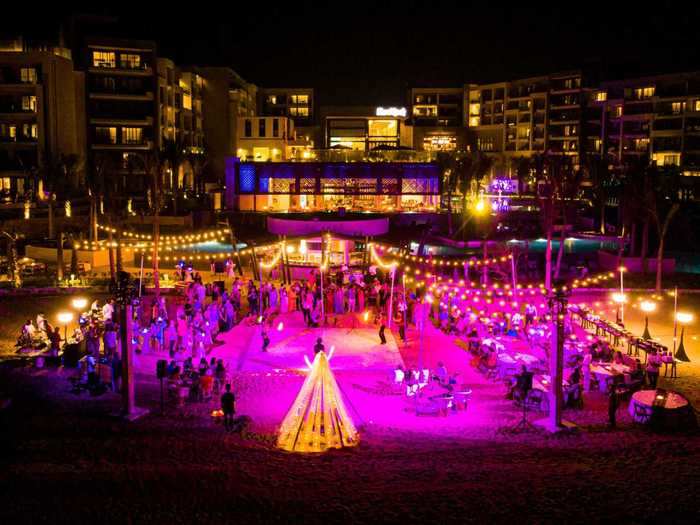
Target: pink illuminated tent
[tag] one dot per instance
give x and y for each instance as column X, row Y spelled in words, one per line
column 318, row 419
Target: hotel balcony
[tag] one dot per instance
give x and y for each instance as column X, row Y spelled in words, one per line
column 142, row 146
column 144, row 71
column 122, row 121
column 140, row 97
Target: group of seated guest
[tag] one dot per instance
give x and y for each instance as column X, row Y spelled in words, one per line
column 601, row 351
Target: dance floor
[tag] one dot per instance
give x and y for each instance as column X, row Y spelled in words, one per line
column 356, row 346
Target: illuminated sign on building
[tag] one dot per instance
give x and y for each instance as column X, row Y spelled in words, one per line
column 390, row 112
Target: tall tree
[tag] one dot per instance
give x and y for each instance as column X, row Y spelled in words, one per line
column 664, row 203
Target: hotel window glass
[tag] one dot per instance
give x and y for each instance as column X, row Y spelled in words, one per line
column 645, row 92
column 484, row 143
column 28, row 75
column 186, row 101
column 106, row 135
column 132, row 135
column 275, row 127
column 29, row 103
column 474, row 121
column 13, row 133
column 261, row 127
column 672, row 160
column 618, row 111
column 300, row 99
column 104, row 59
column 383, row 128
column 601, row 96
column 676, row 107
column 130, row 61
column 248, row 128
column 272, row 99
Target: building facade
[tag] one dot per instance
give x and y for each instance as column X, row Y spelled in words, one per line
column 123, row 109
column 42, row 119
column 438, row 120
column 263, row 139
column 325, row 186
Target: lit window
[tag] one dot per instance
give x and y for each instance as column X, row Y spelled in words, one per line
column 618, row 111
column 28, row 75
column 105, row 135
column 300, row 99
column 104, row 59
column 132, row 135
column 598, row 144
column 601, row 96
column 696, row 105
column 272, row 99
column 130, row 61
column 186, row 101
column 676, row 107
column 29, row 103
column 474, row 110
column 645, row 92
column 672, row 160
column 474, row 121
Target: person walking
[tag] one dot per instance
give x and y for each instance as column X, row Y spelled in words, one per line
column 228, row 407
column 382, row 327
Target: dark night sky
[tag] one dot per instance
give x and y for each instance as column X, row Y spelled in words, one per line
column 362, row 53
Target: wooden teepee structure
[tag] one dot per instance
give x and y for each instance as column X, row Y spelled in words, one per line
column 318, row 419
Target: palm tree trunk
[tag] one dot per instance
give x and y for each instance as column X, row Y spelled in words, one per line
column 633, row 239
column 659, row 264
column 59, row 256
column 449, row 213
column 660, row 252
column 112, row 272
column 51, row 218
column 548, row 259
column 645, row 245
column 560, row 253
column 156, row 241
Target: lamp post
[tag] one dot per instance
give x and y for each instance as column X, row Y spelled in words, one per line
column 647, row 307
column 64, row 318
column 683, row 318
column 622, row 271
column 620, row 299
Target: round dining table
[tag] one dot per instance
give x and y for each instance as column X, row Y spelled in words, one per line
column 672, row 407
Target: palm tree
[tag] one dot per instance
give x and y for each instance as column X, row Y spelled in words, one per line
column 600, row 176
column 447, row 163
column 154, row 168
column 663, row 206
column 175, row 153
column 569, row 183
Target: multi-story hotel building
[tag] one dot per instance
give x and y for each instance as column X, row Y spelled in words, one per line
column 524, row 117
column 437, row 116
column 122, row 108
column 41, row 114
column 294, row 103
